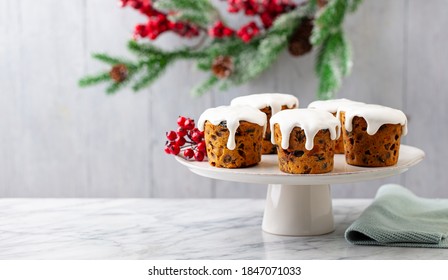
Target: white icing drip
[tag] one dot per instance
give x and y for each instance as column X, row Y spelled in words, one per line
column 310, row 120
column 332, row 105
column 263, row 100
column 375, row 116
column 232, row 115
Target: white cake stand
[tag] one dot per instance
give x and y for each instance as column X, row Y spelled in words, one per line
column 301, row 205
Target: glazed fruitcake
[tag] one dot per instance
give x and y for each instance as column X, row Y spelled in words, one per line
column 270, row 104
column 332, row 106
column 233, row 135
column 372, row 135
column 305, row 140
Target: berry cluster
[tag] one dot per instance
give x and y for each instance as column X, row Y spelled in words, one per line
column 219, row 30
column 187, row 138
column 158, row 22
column 248, row 31
column 266, row 10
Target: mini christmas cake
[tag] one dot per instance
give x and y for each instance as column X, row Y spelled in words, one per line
column 233, row 135
column 332, row 106
column 305, row 140
column 372, row 134
column 270, row 104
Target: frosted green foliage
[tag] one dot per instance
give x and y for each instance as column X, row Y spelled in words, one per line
column 328, row 19
column 332, row 63
column 94, row 79
column 199, row 12
column 334, row 59
column 353, row 5
column 251, row 59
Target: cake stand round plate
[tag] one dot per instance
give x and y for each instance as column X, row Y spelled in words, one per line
column 300, row 204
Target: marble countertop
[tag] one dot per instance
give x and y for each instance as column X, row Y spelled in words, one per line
column 172, row 229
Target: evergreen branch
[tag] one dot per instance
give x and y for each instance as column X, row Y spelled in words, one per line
column 311, row 8
column 257, row 56
column 144, row 82
column 152, row 52
column 231, row 46
column 345, row 55
column 143, row 49
column 328, row 20
column 334, row 57
column 103, row 57
column 249, row 59
column 330, row 80
column 287, row 23
column 114, row 87
column 332, row 14
column 199, row 5
column 153, row 71
column 335, row 48
column 353, row 5
column 204, row 64
column 94, row 79
column 204, row 86
column 197, row 12
column 333, row 61
column 186, row 53
column 192, row 17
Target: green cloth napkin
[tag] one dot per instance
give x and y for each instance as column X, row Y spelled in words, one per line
column 397, row 217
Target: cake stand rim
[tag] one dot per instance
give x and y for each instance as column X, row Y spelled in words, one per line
column 412, row 155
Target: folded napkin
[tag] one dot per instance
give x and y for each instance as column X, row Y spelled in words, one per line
column 399, row 218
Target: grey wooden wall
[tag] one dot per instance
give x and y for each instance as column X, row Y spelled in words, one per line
column 60, row 141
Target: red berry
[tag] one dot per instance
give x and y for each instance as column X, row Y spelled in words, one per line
column 219, row 30
column 250, row 12
column 181, row 121
column 201, row 146
column 141, row 30
column 175, row 149
column 181, row 132
column 147, row 10
column 267, row 19
column 188, row 153
column 194, row 130
column 189, row 124
column 152, row 35
column 227, row 32
column 248, row 31
column 172, row 135
column 167, row 150
column 180, row 141
column 199, row 156
column 179, row 25
column 232, row 10
column 196, row 137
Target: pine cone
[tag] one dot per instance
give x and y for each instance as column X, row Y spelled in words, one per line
column 299, row 43
column 222, row 66
column 119, row 73
column 322, row 3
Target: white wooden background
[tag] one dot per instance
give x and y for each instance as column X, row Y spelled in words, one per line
column 57, row 140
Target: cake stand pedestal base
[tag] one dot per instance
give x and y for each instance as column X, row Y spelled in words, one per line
column 298, row 210
column 300, row 204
